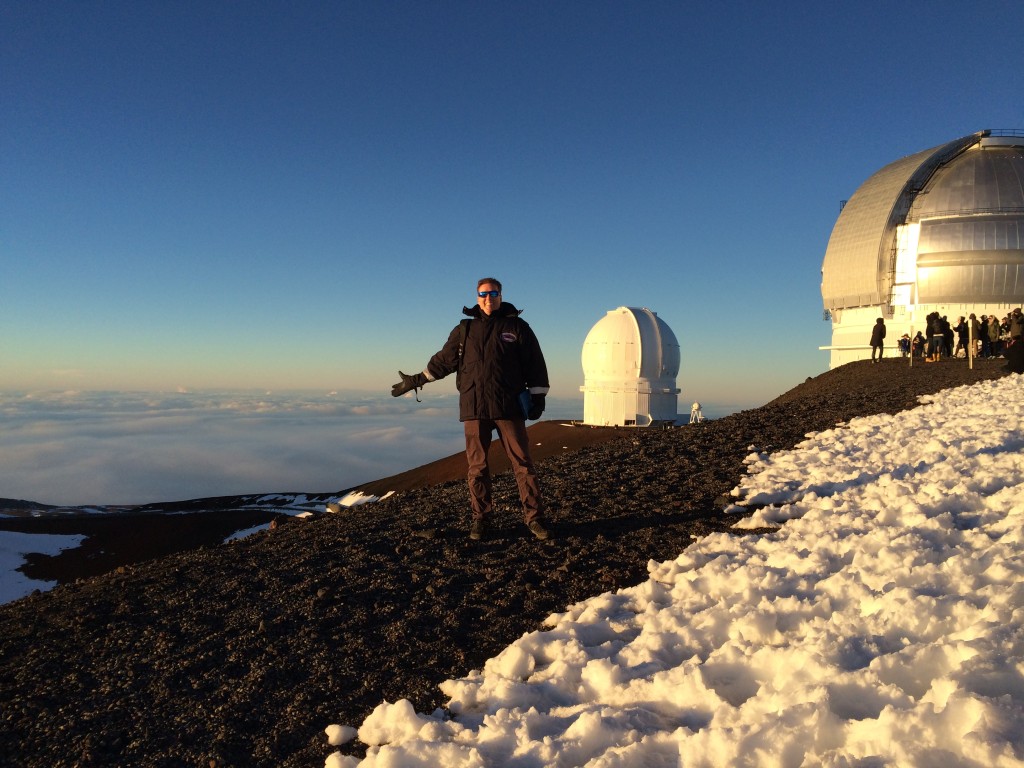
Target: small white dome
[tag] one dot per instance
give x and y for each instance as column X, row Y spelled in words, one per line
column 630, row 364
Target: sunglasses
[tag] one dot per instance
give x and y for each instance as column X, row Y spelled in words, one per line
column 485, row 294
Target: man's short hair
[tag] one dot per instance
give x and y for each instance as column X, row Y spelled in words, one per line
column 490, row 280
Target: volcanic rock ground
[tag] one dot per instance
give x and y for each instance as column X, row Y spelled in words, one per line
column 240, row 654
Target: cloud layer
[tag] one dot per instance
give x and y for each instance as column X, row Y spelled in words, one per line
column 106, row 448
column 132, row 448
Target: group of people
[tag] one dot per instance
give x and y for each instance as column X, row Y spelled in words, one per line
column 941, row 339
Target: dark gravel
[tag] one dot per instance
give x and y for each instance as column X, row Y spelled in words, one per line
column 241, row 654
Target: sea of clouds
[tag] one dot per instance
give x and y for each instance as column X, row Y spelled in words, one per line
column 78, row 448
column 107, row 448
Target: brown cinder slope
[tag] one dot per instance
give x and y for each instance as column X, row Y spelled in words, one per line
column 241, row 654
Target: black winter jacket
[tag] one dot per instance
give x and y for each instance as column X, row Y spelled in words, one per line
column 501, row 358
column 877, row 334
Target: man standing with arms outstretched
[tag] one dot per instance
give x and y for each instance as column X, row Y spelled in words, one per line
column 497, row 360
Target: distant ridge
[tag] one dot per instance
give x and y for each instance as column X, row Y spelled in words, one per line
column 547, row 439
column 17, row 504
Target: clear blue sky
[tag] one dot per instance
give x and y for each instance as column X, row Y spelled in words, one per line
column 302, row 195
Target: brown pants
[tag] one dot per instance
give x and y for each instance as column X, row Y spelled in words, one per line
column 517, row 448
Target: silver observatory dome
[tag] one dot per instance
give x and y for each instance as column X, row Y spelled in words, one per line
column 941, row 230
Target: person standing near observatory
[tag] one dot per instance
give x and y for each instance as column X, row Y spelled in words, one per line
column 877, row 339
column 497, row 360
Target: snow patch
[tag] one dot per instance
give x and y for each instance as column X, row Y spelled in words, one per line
column 13, row 548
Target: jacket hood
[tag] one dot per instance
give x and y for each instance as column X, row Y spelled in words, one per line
column 505, row 310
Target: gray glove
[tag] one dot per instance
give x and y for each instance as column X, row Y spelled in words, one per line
column 408, row 383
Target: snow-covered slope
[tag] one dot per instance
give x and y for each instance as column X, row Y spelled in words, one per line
column 882, row 625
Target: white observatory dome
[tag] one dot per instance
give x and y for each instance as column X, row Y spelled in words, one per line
column 630, row 364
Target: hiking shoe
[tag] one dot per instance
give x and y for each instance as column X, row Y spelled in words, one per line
column 538, row 530
column 476, row 530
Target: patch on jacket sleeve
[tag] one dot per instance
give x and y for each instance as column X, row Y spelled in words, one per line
column 508, row 336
